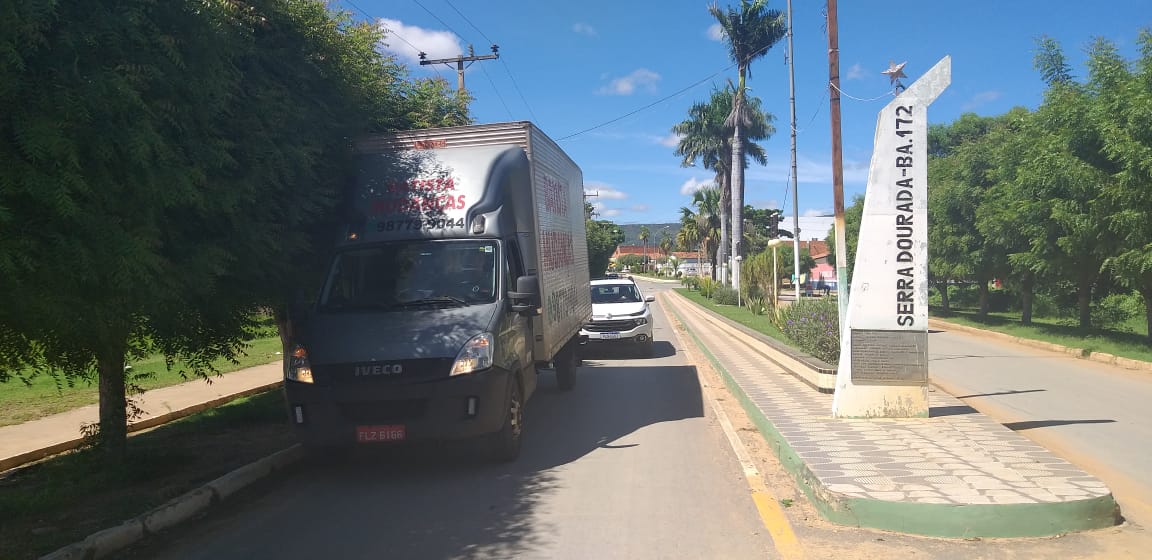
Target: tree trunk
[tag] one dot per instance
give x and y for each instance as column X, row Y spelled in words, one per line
column 945, row 306
column 983, row 291
column 1147, row 293
column 737, row 199
column 725, row 216
column 113, row 437
column 1027, row 297
column 1084, row 302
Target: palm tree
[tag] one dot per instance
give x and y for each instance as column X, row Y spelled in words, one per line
column 644, row 236
column 705, row 138
column 749, row 33
column 702, row 227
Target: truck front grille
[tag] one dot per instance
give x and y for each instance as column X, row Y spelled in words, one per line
column 383, row 412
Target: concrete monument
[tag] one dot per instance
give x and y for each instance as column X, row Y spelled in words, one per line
column 883, row 371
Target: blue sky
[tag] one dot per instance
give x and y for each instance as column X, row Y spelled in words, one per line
column 574, row 66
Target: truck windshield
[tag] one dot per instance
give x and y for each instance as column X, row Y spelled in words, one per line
column 413, row 275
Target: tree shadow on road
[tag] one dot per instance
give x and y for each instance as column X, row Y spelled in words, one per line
column 441, row 501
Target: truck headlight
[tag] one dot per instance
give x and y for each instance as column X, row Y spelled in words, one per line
column 299, row 369
column 475, row 356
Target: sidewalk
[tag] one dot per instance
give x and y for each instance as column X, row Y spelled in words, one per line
column 955, row 474
column 31, row 441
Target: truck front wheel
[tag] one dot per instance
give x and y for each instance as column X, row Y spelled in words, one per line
column 504, row 445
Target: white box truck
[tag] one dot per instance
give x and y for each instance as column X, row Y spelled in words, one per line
column 461, row 271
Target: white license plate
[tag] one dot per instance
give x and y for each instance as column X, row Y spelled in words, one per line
column 609, row 335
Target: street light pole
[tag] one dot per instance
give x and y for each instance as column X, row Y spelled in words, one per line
column 795, row 193
column 775, row 280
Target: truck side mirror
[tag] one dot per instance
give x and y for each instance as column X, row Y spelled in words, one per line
column 526, row 298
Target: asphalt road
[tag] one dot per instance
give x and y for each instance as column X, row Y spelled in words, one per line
column 629, row 465
column 1095, row 415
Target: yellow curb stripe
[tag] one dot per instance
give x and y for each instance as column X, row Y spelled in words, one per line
column 767, row 506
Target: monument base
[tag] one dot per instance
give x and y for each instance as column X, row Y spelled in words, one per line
column 878, row 401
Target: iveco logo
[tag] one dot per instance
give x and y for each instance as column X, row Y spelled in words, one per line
column 381, row 369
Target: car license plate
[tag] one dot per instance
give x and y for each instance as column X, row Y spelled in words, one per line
column 610, row 335
column 375, row 434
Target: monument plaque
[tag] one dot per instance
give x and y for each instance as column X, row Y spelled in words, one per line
column 881, row 357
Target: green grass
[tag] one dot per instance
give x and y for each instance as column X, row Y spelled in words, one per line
column 62, row 500
column 1129, row 341
column 759, row 323
column 43, row 396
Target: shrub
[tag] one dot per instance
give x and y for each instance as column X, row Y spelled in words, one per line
column 707, row 286
column 813, row 326
column 725, row 295
column 757, row 305
column 1117, row 309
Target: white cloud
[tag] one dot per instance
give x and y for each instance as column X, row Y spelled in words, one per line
column 603, row 191
column 641, row 78
column 856, row 72
column 609, row 212
column 816, row 212
column 671, row 140
column 638, row 208
column 584, row 29
column 715, row 32
column 981, row 99
column 436, row 44
column 692, row 185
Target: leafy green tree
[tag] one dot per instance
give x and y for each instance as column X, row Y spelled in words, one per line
column 787, row 263
column 1008, row 216
column 853, row 215
column 644, row 236
column 164, row 170
column 749, row 32
column 703, row 224
column 1070, row 170
column 705, row 138
column 962, row 172
column 603, row 238
column 1123, row 113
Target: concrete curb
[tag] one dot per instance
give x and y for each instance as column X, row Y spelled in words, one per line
column 177, row 510
column 813, row 372
column 151, row 422
column 1082, row 353
column 936, row 520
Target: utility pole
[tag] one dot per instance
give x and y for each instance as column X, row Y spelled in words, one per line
column 795, row 192
column 460, row 60
column 837, row 164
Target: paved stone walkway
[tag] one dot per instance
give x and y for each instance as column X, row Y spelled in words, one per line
column 956, row 457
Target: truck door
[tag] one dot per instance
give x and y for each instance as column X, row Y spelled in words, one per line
column 516, row 336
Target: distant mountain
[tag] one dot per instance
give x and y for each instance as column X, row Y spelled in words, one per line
column 632, row 232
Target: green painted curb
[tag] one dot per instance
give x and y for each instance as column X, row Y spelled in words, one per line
column 934, row 520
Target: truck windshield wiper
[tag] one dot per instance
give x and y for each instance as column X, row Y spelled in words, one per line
column 439, row 300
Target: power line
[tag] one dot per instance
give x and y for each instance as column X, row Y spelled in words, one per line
column 659, row 101
column 438, row 19
column 390, row 31
column 877, row 98
column 490, row 41
column 650, row 105
column 507, row 68
column 518, row 92
column 498, row 96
